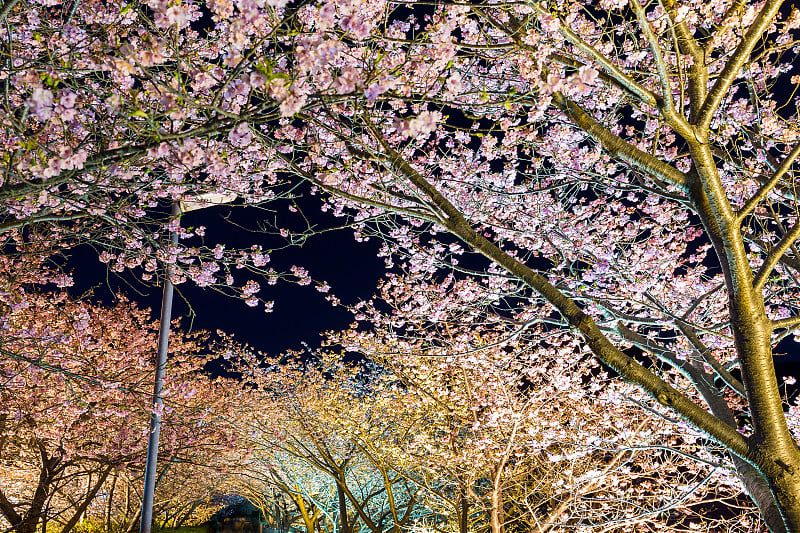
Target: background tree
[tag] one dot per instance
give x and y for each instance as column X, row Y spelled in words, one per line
column 75, row 400
column 504, row 423
column 304, row 446
column 500, row 437
column 98, row 140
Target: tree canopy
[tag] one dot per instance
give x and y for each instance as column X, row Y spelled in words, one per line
column 613, row 177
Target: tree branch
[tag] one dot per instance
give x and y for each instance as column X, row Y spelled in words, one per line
column 633, row 86
column 788, row 323
column 698, row 74
column 768, row 185
column 617, row 147
column 602, row 347
column 89, row 498
column 19, row 223
column 705, row 355
column 736, row 62
column 7, row 508
column 666, row 91
column 775, row 255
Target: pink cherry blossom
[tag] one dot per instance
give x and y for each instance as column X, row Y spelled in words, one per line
column 241, row 135
column 549, row 23
column 41, row 103
column 292, row 104
column 420, row 126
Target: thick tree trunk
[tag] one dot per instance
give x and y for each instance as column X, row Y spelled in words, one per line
column 786, row 489
column 783, row 481
column 772, row 449
column 755, row 484
column 759, row 491
column 342, row 509
column 463, row 516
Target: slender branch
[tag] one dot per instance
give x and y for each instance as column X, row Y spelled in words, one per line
column 706, row 356
column 557, row 57
column 775, row 255
column 735, row 10
column 698, row 74
column 791, row 262
column 430, row 217
column 18, row 223
column 697, row 301
column 589, row 487
column 683, row 366
column 768, row 185
column 734, row 65
column 666, row 91
column 635, row 87
column 72, row 11
column 90, row 496
column 106, row 158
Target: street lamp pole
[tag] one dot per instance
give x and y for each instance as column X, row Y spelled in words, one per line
column 158, row 402
column 183, row 206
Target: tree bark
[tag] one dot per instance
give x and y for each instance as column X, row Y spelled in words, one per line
column 463, row 516
column 755, row 484
column 134, row 522
column 496, row 510
column 47, row 473
column 110, row 504
column 308, row 519
column 345, row 525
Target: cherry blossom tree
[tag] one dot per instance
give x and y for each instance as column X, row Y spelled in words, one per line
column 629, row 165
column 94, row 157
column 505, row 431
column 304, row 447
column 667, row 235
column 75, row 403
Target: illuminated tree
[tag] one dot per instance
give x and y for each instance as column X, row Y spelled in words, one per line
column 304, row 447
column 76, row 381
column 628, row 164
column 504, row 433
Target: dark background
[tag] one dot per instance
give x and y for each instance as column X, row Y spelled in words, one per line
column 300, row 313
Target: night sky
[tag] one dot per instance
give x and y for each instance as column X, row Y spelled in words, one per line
column 300, row 313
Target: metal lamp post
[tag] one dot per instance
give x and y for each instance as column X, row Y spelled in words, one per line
column 178, row 207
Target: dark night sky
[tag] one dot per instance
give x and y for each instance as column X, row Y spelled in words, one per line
column 351, row 268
